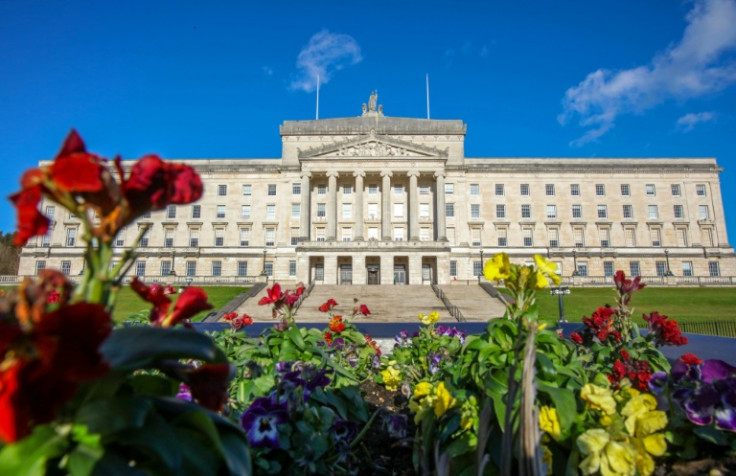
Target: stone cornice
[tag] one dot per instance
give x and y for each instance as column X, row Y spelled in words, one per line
column 379, row 124
column 600, row 165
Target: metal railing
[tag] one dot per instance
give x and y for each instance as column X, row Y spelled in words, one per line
column 711, row 328
column 664, row 281
column 304, row 296
column 493, row 292
column 451, row 308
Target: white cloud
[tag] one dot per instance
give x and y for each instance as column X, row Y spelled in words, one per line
column 690, row 68
column 688, row 121
column 267, row 70
column 324, row 54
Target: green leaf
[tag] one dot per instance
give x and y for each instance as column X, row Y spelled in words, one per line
column 28, row 456
column 114, row 414
column 295, row 335
column 154, row 385
column 132, row 348
column 564, row 402
column 88, row 452
column 711, row 435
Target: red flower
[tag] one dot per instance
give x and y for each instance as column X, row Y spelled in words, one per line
column 625, row 354
column 364, row 310
column 273, row 295
column 690, row 359
column 372, row 343
column 53, row 297
column 576, row 337
column 601, row 323
column 327, row 306
column 336, row 324
column 247, row 320
column 230, row 316
column 328, row 337
column 191, row 302
column 626, row 287
column 208, row 384
column 31, row 222
column 637, row 371
column 665, row 330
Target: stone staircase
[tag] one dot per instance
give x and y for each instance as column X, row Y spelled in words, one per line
column 474, row 302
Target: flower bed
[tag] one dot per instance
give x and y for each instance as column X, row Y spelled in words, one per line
column 80, row 396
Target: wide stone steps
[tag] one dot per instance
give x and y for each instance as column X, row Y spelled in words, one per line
column 474, row 303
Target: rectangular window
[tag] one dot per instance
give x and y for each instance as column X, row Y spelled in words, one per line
column 321, row 189
column 321, row 210
column 423, row 210
column 71, row 236
column 373, row 211
column 119, row 241
column 219, row 237
column 168, row 238
column 145, row 215
column 703, row 212
column 625, row 190
column 661, row 268
column 191, row 268
column 220, row 211
column 242, row 269
column 551, row 211
column 474, row 210
column 608, row 269
column 679, row 213
column 270, row 236
column 347, row 210
column 687, row 268
column 700, row 190
column 270, row 212
column 449, row 209
column 600, row 189
column 372, row 189
column 582, row 268
column 477, row 268
column 50, row 211
column 296, row 189
column 320, row 234
column 651, row 191
column 424, row 234
column 165, row 267
column 577, row 211
column 66, row 267
column 246, row 190
column 528, row 235
column 605, row 235
column 245, row 211
column 347, row 234
column 196, row 211
column 706, row 237
column 347, row 189
column 398, row 234
column 475, row 189
column 221, row 191
column 656, row 236
column 714, row 268
column 424, row 189
column 217, row 268
column 681, row 234
column 628, row 211
column 398, row 189
column 295, row 210
column 653, row 212
column 140, row 268
column 144, row 240
column 193, row 238
column 499, row 190
column 634, row 269
column 244, row 236
column 602, row 211
column 294, row 236
column 526, row 211
column 373, row 233
column 500, row 211
column 554, row 237
column 549, row 189
column 475, row 236
column 272, row 190
column 45, row 239
column 675, row 189
column 292, row 267
column 171, row 211
column 268, row 268
column 574, row 189
column 453, row 269
column 578, row 237
column 503, row 237
column 524, row 189
column 449, row 188
column 398, row 210
column 630, row 237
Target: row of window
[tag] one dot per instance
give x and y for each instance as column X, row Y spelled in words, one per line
column 577, row 211
column 714, row 268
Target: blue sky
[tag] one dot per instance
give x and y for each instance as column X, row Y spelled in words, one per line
column 193, row 79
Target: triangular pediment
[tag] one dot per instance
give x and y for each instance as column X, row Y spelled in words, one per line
column 370, row 146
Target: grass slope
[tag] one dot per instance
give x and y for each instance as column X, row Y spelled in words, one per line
column 681, row 304
column 130, row 303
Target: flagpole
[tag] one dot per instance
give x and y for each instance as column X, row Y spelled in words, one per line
column 427, row 78
column 317, row 115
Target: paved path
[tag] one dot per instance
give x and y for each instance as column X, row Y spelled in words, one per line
column 474, row 302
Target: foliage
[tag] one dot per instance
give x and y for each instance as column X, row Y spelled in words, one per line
column 9, row 254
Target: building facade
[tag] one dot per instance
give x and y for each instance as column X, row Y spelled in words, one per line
column 374, row 199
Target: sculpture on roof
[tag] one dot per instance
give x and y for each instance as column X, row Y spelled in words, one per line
column 373, row 101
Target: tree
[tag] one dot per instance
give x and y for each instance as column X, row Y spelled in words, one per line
column 9, row 254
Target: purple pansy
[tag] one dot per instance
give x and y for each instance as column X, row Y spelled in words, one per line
column 261, row 421
column 434, row 362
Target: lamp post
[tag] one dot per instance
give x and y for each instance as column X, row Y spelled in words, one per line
column 575, row 262
column 173, row 257
column 667, row 257
column 263, row 271
column 560, row 291
column 480, row 273
column 189, row 280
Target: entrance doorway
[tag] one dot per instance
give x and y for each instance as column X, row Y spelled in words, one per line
column 399, row 274
column 346, row 274
column 374, row 274
column 426, row 273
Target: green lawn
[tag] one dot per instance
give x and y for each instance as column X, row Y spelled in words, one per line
column 681, row 304
column 130, row 303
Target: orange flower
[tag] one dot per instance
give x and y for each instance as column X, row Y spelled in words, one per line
column 336, row 324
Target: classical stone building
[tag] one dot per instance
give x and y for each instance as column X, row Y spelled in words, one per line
column 374, row 199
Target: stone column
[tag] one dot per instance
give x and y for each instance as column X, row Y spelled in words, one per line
column 306, row 207
column 413, row 208
column 358, row 205
column 386, row 206
column 332, row 206
column 439, row 196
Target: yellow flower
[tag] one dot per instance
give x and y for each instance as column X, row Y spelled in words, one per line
column 391, row 378
column 655, row 444
column 547, row 267
column 422, row 389
column 618, row 458
column 540, row 281
column 602, row 454
column 637, row 408
column 549, row 421
column 497, row 268
column 469, row 412
column 430, row 318
column 598, row 398
column 444, row 401
column 591, row 444
column 547, row 459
